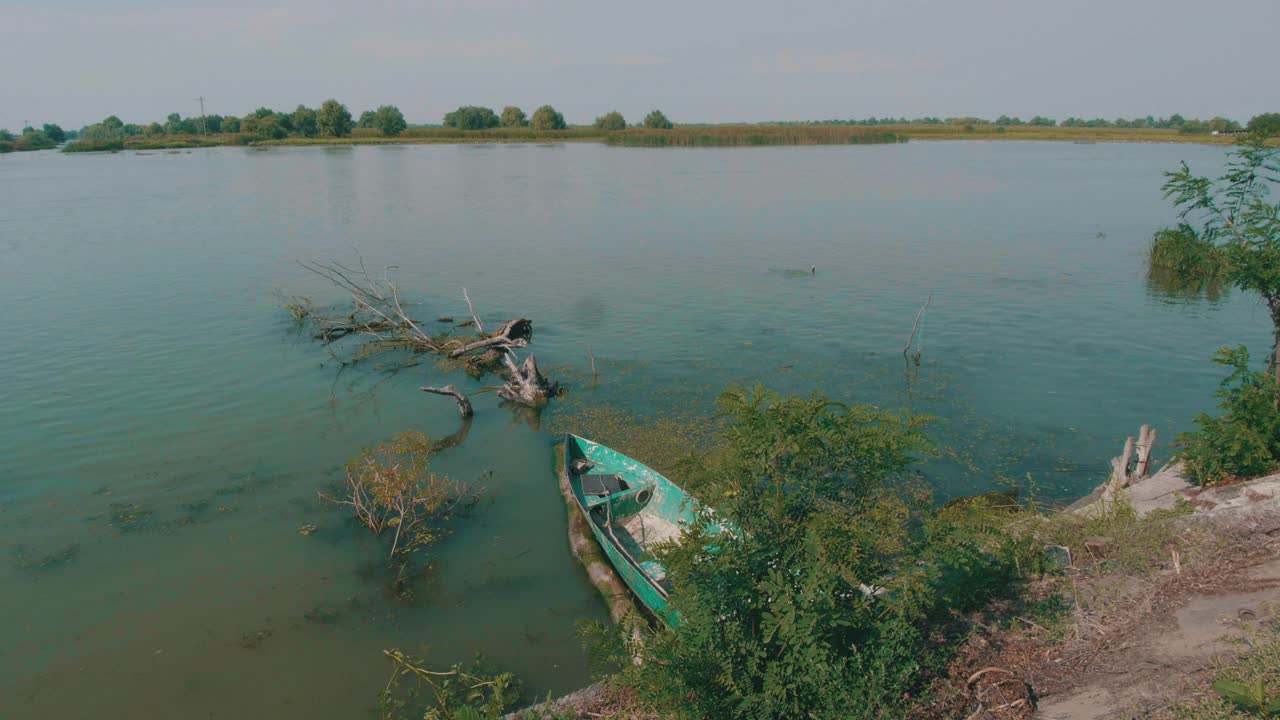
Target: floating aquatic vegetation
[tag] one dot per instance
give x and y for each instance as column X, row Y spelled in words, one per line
column 25, row 559
column 250, row 641
column 130, row 517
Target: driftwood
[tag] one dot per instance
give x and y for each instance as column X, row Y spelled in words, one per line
column 526, row 385
column 1121, row 475
column 510, row 335
column 380, row 318
column 464, row 403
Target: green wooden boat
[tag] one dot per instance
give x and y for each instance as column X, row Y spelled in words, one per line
column 631, row 508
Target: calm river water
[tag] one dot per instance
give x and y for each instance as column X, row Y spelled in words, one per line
column 164, row 433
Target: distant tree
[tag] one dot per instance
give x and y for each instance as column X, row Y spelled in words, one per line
column 513, row 116
column 6, row 136
column 130, row 129
column 1266, row 124
column 366, row 120
column 153, row 129
column 657, row 121
column 304, row 121
column 230, row 124
column 546, row 118
column 54, row 133
column 175, row 125
column 611, row 121
column 389, row 120
column 1041, row 121
column 1004, row 120
column 213, row 123
column 333, row 119
column 471, row 117
column 1176, row 120
column 267, row 123
column 111, row 128
column 33, row 139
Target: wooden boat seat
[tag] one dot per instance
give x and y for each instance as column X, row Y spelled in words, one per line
column 601, row 485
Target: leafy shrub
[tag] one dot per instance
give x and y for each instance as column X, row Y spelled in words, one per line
column 513, row 116
column 547, row 118
column 826, row 598
column 471, row 117
column 1245, row 439
column 389, row 488
column 611, row 121
column 656, row 120
column 1181, row 250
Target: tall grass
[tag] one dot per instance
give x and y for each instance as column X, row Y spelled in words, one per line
column 94, row 145
column 746, row 135
column 1187, row 254
column 158, row 142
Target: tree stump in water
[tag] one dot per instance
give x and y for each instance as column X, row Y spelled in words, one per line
column 526, row 385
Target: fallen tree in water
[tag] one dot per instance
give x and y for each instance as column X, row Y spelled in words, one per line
column 378, row 317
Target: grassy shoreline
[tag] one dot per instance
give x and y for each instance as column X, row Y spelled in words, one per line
column 738, row 135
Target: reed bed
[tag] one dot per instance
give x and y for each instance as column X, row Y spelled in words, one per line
column 748, row 135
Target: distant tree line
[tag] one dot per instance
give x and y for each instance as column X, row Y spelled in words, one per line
column 43, row 138
column 1173, row 122
column 331, row 119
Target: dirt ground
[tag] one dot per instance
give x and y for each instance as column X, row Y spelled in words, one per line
column 1146, row 642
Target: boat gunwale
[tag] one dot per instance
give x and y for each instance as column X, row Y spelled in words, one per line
column 579, row 497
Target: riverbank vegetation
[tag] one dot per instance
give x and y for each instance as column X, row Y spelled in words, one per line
column 47, row 137
column 745, row 135
column 332, row 123
column 1229, row 231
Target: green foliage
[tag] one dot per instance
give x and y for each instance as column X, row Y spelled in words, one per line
column 740, row 135
column 460, row 693
column 333, row 119
column 1233, row 214
column 1251, row 698
column 55, row 133
column 822, row 601
column 546, row 118
column 611, row 121
column 657, row 121
column 471, row 117
column 111, row 128
column 32, row 139
column 513, row 116
column 304, row 121
column 6, row 135
column 1243, row 441
column 390, row 490
column 1182, row 251
column 266, row 123
column 1266, row 124
column 230, row 124
column 389, row 120
column 94, row 145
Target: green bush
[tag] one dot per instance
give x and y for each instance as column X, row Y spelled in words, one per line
column 94, row 145
column 547, row 118
column 656, row 120
column 1185, row 252
column 1244, row 441
column 611, row 121
column 827, row 599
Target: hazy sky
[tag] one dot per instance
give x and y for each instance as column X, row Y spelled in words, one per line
column 75, row 62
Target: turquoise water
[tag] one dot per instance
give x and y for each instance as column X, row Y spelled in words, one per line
column 164, row 432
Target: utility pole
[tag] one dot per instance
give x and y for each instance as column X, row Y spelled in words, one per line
column 204, row 127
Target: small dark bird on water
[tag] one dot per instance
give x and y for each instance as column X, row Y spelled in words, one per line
column 813, row 270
